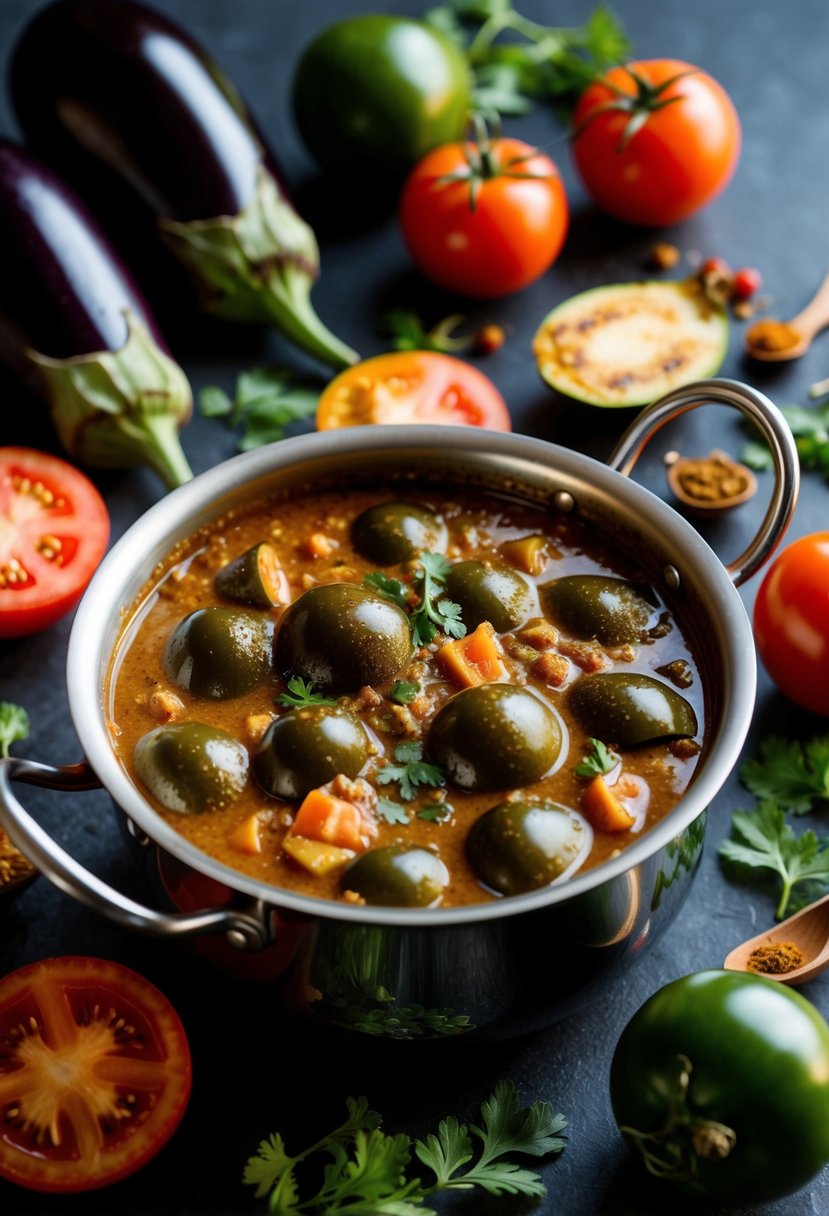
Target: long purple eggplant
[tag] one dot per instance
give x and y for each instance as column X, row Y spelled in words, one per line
column 74, row 326
column 124, row 84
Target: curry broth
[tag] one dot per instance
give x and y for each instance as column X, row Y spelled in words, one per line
column 478, row 524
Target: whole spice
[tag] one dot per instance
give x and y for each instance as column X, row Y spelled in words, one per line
column 710, row 481
column 770, row 334
column 15, row 869
column 777, row 958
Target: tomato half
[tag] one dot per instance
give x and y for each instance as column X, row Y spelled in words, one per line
column 721, row 1082
column 412, row 386
column 791, row 621
column 653, row 163
column 54, row 530
column 484, row 220
column 94, row 1073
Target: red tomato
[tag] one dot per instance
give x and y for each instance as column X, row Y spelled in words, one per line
column 94, row 1073
column 791, row 622
column 54, row 529
column 507, row 240
column 412, row 386
column 676, row 161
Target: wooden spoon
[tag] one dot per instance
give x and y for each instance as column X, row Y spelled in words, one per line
column 807, row 929
column 808, row 323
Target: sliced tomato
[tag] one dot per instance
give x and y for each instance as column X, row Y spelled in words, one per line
column 54, row 529
column 94, row 1073
column 412, row 386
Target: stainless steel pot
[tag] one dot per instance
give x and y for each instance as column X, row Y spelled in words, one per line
column 498, row 968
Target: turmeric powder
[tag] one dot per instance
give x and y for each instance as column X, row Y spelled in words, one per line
column 777, row 958
column 772, row 335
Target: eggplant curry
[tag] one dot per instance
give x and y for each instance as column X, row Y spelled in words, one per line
column 419, row 698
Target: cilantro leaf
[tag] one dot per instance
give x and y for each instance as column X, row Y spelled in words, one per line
column 392, row 812
column 267, row 402
column 391, row 588
column 433, row 613
column 810, row 427
column 762, row 839
column 270, row 1165
column 791, row 773
column 411, row 771
column 597, row 762
column 446, row 1152
column 14, row 725
column 403, row 692
column 408, row 332
column 436, row 813
column 301, row 692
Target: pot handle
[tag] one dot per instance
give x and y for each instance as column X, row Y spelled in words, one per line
column 774, row 429
column 246, row 928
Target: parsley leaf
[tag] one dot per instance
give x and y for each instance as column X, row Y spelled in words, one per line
column 599, row 761
column 794, row 774
column 762, row 839
column 301, row 692
column 268, row 400
column 14, row 726
column 411, row 771
column 403, row 692
column 433, row 613
column 366, row 1171
column 391, row 588
column 392, row 811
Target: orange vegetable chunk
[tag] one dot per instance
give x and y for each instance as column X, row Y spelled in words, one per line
column 331, row 820
column 603, row 809
column 475, row 659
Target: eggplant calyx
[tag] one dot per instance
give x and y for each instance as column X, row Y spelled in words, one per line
column 116, row 409
column 259, row 266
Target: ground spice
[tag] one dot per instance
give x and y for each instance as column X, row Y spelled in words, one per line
column 769, row 334
column 710, row 480
column 14, row 867
column 775, row 959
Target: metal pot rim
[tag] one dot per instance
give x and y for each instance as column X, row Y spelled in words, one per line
column 181, row 512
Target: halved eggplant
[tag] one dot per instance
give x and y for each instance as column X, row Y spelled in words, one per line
column 629, row 343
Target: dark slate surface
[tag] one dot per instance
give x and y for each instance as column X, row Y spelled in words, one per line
column 772, row 59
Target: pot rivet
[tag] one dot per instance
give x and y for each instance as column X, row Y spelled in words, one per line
column 237, row 939
column 671, row 576
column 564, row 501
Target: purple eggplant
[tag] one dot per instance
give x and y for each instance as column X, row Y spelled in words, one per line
column 121, row 83
column 74, row 326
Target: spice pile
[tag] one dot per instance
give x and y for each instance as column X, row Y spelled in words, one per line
column 778, row 958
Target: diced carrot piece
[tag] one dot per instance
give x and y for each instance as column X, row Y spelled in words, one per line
column 316, row 856
column 332, row 820
column 603, row 808
column 247, row 837
column 475, row 659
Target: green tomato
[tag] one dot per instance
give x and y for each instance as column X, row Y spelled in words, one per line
column 377, row 92
column 721, row 1081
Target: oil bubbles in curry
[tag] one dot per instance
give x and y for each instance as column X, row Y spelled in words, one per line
column 440, row 697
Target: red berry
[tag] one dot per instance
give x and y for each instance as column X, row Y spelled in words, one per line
column 715, row 268
column 746, row 281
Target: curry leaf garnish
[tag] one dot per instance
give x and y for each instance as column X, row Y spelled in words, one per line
column 268, row 400
column 539, row 62
column 403, row 692
column 391, row 811
column 432, row 613
column 301, row 692
column 14, row 726
column 391, row 588
column 366, row 1171
column 762, row 839
column 597, row 762
column 411, row 771
column 793, row 774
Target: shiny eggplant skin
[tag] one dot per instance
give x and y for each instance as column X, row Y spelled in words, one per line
column 127, row 85
column 63, row 290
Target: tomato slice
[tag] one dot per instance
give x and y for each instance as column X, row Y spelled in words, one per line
column 412, row 386
column 54, row 530
column 94, row 1073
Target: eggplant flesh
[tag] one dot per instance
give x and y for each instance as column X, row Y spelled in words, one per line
column 63, row 291
column 124, row 84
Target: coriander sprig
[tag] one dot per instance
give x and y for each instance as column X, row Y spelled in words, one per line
column 411, row 771
column 403, row 692
column 762, row 839
column 433, row 613
column 599, row 761
column 391, row 588
column 794, row 774
column 367, row 1170
column 810, row 428
column 14, row 726
column 268, row 400
column 301, row 693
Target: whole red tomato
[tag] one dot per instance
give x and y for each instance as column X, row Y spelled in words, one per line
column 484, row 218
column 791, row 622
column 654, row 141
